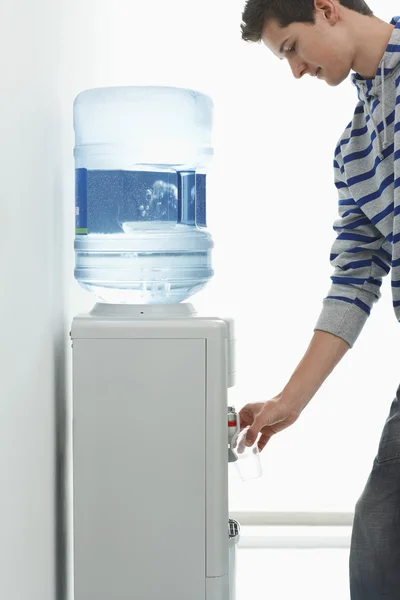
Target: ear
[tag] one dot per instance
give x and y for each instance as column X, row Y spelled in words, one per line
column 328, row 10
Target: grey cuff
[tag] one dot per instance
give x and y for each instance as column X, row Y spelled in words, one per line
column 342, row 319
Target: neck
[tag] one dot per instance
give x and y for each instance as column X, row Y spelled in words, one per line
column 371, row 37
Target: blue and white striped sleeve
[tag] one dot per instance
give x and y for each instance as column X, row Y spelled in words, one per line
column 359, row 262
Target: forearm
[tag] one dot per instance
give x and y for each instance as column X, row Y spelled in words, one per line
column 323, row 354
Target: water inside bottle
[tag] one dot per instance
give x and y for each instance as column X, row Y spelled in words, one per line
column 141, row 235
column 115, row 201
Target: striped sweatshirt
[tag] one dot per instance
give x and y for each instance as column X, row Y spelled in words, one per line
column 367, row 177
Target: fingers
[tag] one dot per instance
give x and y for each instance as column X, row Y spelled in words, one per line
column 248, row 413
column 246, row 417
column 269, row 415
column 254, row 430
column 252, row 435
column 264, row 439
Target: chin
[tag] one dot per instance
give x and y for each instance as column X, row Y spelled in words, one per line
column 333, row 83
column 337, row 80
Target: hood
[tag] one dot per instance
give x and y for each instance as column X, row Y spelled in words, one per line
column 369, row 89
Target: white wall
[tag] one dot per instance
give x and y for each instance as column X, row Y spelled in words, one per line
column 31, row 296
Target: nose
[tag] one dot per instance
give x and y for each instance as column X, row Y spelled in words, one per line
column 299, row 68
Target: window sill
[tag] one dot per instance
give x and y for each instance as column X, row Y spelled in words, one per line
column 294, row 537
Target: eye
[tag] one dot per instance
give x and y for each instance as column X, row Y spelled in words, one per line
column 292, row 48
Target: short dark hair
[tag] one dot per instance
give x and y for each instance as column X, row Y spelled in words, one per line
column 258, row 12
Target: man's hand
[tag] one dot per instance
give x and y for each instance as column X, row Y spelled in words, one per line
column 323, row 354
column 268, row 418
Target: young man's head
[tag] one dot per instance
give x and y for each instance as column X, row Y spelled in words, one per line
column 318, row 37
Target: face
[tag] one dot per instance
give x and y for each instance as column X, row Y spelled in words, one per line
column 324, row 49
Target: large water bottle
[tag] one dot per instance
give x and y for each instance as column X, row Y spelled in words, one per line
column 141, row 157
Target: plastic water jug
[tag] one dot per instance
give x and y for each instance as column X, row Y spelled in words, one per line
column 141, row 160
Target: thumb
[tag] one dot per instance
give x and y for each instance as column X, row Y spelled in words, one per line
column 268, row 415
column 253, row 432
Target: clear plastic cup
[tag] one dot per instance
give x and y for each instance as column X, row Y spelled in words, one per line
column 248, row 463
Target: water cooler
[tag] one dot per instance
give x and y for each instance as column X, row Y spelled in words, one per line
column 152, row 430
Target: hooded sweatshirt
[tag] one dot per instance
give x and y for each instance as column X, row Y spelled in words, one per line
column 367, row 177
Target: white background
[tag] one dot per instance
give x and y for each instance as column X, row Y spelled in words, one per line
column 271, row 204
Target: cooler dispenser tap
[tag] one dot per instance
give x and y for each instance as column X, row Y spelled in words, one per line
column 233, row 431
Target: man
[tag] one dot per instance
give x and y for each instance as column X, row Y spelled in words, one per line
column 328, row 39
